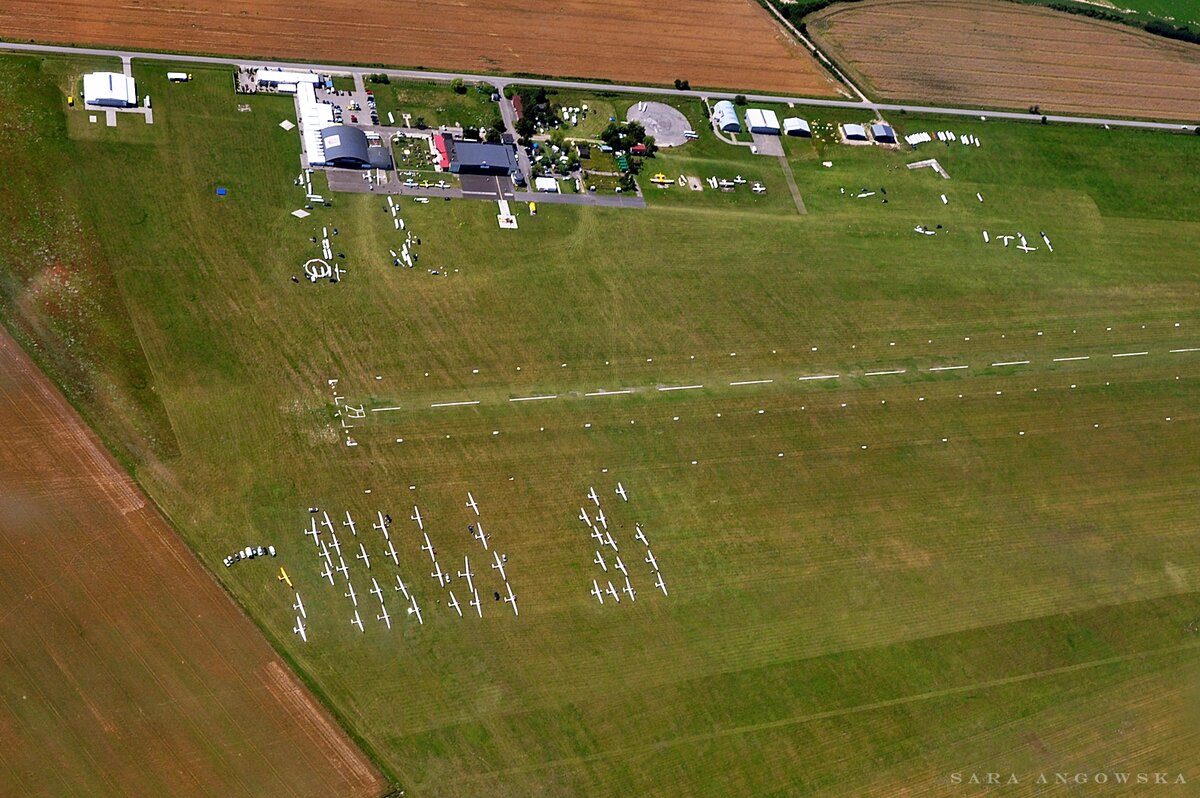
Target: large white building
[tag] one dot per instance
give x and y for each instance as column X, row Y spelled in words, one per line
column 313, row 117
column 286, row 81
column 725, row 116
column 109, row 88
column 763, row 121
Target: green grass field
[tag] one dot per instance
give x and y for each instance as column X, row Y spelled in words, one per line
column 1006, row 578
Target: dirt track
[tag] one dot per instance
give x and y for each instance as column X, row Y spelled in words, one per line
column 711, row 43
column 997, row 54
column 124, row 669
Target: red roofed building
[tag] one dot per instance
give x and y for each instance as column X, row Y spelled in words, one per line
column 439, row 141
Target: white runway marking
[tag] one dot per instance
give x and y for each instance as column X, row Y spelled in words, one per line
column 679, row 387
column 948, row 368
column 455, row 404
column 883, row 373
column 752, row 382
column 533, row 398
column 1013, row 363
column 383, row 409
column 1131, row 354
column 1177, row 351
column 1069, row 359
column 819, row 377
column 609, row 393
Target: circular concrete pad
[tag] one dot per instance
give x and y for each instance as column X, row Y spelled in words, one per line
column 662, row 121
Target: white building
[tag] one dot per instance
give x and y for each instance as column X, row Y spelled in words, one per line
column 854, row 132
column 725, row 116
column 109, row 88
column 762, row 120
column 313, row 117
column 286, row 81
column 795, row 126
column 546, row 184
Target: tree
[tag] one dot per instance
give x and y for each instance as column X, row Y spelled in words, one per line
column 678, row 83
column 457, row 86
column 739, row 99
column 686, row 86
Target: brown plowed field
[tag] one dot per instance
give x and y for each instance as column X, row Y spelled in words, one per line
column 124, row 669
column 714, row 43
column 996, row 54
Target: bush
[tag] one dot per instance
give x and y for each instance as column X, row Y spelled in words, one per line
column 739, row 99
column 457, row 86
column 1181, row 32
column 379, row 77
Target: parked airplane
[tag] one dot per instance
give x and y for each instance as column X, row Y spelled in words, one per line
column 342, row 569
column 583, row 516
column 471, row 503
column 326, row 522
column 350, row 594
column 299, row 607
column 325, row 552
column 477, row 604
column 758, row 188
column 640, row 535
column 499, row 565
column 608, row 538
column 599, row 536
column 438, row 574
column 453, row 602
column 401, row 588
column 336, row 545
column 357, row 622
column 621, row 492
column 599, row 560
column 350, row 523
column 739, row 180
column 416, row 516
column 612, row 591
column 299, row 629
column 628, row 589
column 312, row 530
column 428, row 547
column 416, row 609
column 376, row 589
column 385, row 617
column 597, row 592
column 650, row 559
column 382, row 525
column 592, row 495
column 661, row 585
column 465, row 573
column 390, row 551
column 512, row 599
column 480, row 536
column 362, row 555
column 620, row 566
column 283, row 576
column 328, row 572
column 600, row 517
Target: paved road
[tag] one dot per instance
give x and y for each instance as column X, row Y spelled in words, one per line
column 500, row 82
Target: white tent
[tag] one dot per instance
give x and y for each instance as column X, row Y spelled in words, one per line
column 109, row 88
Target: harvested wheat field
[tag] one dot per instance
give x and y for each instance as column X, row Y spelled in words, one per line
column 124, row 669
column 1005, row 55
column 713, row 43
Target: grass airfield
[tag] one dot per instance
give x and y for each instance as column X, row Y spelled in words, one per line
column 841, row 620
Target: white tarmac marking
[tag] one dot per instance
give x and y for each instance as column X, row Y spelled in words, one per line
column 948, row 368
column 883, row 373
column 752, row 382
column 1131, row 354
column 609, row 393
column 533, row 398
column 455, row 404
column 1177, row 351
column 384, row 409
column 679, row 387
column 1069, row 359
column 819, row 377
column 1013, row 363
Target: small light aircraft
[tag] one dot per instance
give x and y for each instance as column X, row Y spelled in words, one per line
column 583, row 516
column 376, row 590
column 476, row 603
column 511, row 599
column 381, row 525
column 597, row 592
column 312, row 530
column 612, row 591
column 328, row 572
column 400, row 587
column 480, row 536
column 650, row 559
column 336, row 545
column 283, row 576
column 621, row 492
column 620, row 566
column 362, row 555
column 758, row 188
column 465, row 573
column 440, row 575
column 592, row 495
column 415, row 609
column 599, row 560
column 453, row 602
column 739, row 180
column 471, row 503
column 350, row 594
column 599, row 536
column 629, row 591
column 299, row 629
column 325, row 552
column 342, row 569
column 608, row 539
column 299, row 607
column 416, row 516
column 661, row 585
column 385, row 617
column 428, row 547
column 390, row 551
column 350, row 523
column 600, row 517
column 640, row 535
column 357, row 621
column 499, row 565
column 326, row 522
